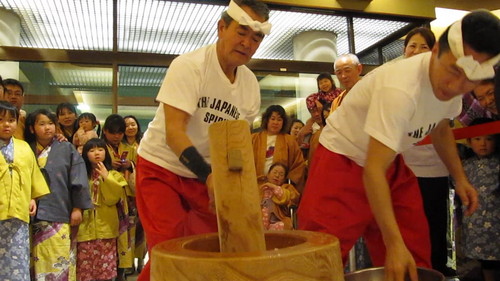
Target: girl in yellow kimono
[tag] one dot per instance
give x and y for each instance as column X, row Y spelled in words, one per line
column 123, row 158
column 21, row 182
column 98, row 232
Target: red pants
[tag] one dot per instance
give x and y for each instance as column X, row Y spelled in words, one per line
column 170, row 206
column 334, row 201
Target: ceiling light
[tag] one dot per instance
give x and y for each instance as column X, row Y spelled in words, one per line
column 83, row 107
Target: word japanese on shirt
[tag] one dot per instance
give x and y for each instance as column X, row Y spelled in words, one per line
column 218, row 105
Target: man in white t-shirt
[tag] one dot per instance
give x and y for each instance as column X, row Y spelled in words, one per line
column 358, row 184
column 202, row 87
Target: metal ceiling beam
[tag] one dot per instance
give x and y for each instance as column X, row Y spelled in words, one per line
column 144, row 59
column 418, row 10
column 413, row 9
column 56, row 99
column 77, row 56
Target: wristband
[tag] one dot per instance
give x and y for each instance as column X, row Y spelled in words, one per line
column 192, row 159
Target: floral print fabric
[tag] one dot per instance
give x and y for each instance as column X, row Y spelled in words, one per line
column 481, row 230
column 96, row 260
column 14, row 250
column 53, row 251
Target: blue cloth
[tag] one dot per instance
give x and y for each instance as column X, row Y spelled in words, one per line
column 14, row 257
column 481, row 230
column 69, row 185
column 7, row 150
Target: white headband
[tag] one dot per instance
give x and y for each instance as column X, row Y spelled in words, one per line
column 239, row 15
column 472, row 68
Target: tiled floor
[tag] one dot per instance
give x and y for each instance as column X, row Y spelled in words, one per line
column 132, row 277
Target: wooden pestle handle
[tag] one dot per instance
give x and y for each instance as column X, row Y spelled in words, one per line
column 237, row 198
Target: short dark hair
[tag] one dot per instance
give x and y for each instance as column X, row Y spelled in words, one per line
column 258, row 7
column 29, row 136
column 114, row 124
column 480, row 30
column 468, row 153
column 325, row 75
column 269, row 111
column 7, row 107
column 13, row 82
column 428, row 35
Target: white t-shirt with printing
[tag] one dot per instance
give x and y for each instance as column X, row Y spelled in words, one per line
column 394, row 104
column 196, row 84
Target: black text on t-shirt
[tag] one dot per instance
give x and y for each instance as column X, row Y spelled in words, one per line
column 218, row 105
column 419, row 133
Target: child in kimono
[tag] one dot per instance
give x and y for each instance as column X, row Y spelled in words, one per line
column 21, row 182
column 123, row 157
column 87, row 123
column 481, row 230
column 98, row 232
column 58, row 214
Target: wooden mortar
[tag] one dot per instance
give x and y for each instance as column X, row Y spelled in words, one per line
column 290, row 255
column 241, row 250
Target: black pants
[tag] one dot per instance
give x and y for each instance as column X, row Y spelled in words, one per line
column 435, row 194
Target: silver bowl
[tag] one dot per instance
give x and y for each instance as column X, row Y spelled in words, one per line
column 377, row 274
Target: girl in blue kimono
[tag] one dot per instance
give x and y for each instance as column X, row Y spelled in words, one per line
column 55, row 224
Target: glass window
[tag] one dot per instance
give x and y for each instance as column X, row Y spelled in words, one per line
column 138, row 87
column 288, row 90
column 87, row 86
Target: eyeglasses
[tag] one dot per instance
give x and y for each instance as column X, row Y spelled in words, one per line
column 13, row 93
